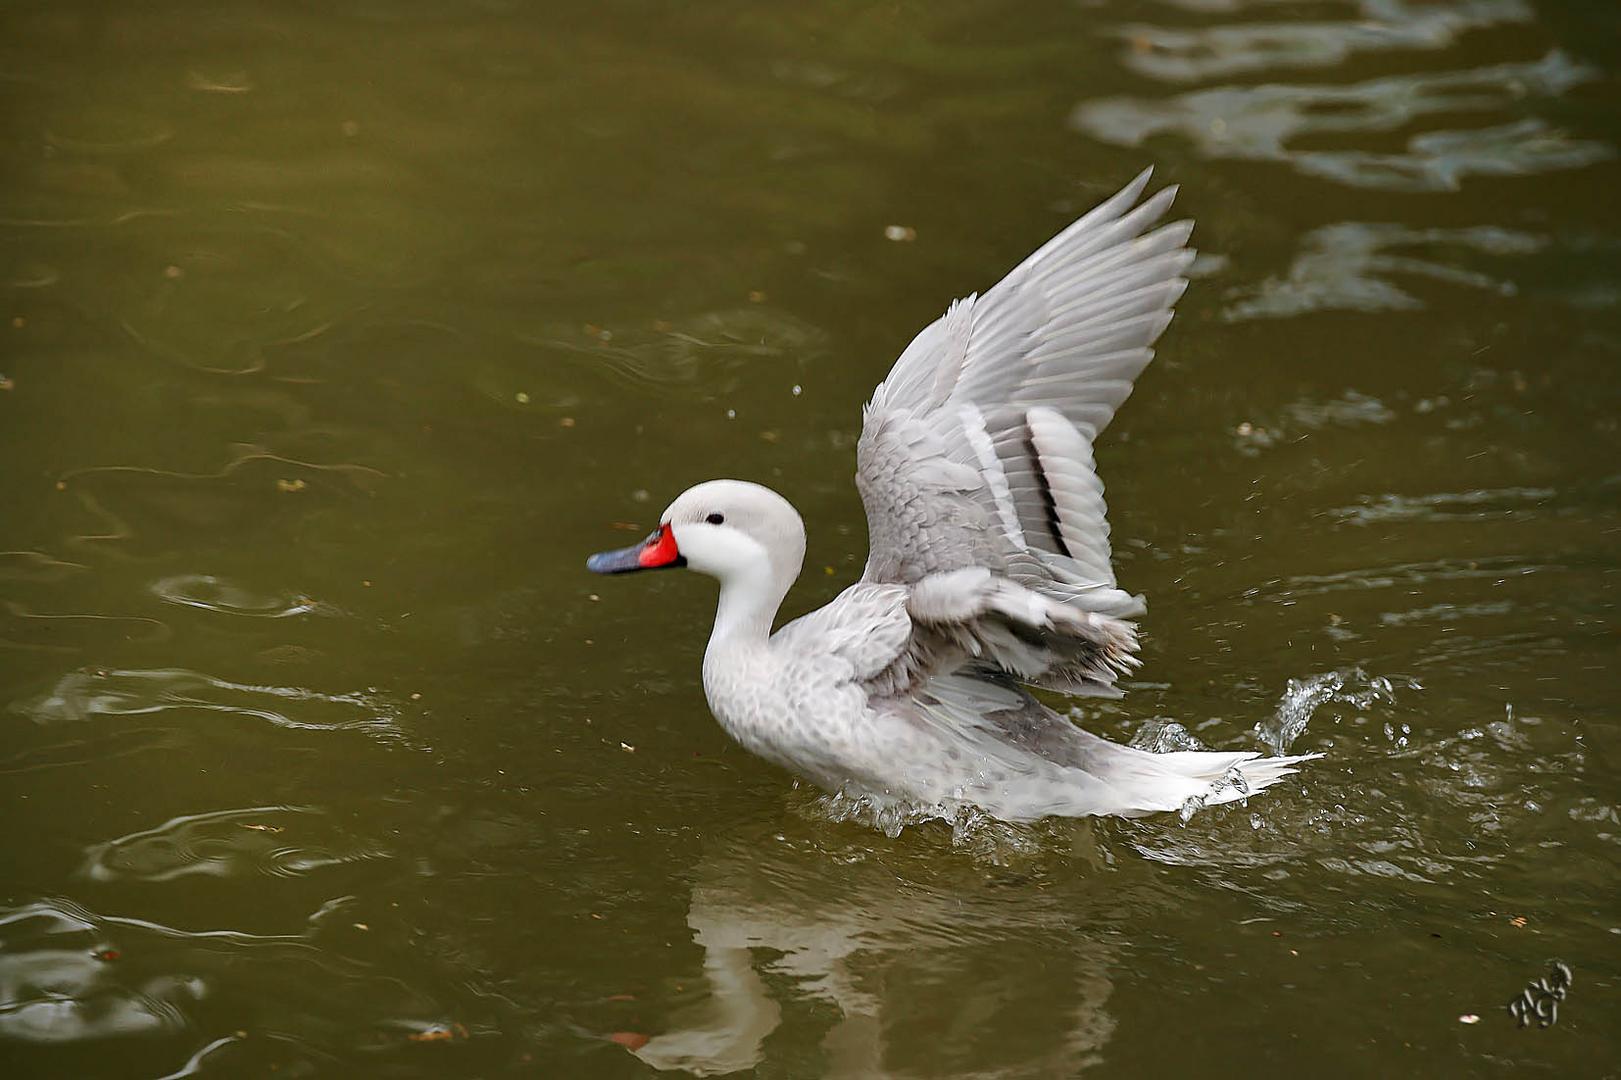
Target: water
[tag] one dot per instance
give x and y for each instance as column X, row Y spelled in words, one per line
column 336, row 336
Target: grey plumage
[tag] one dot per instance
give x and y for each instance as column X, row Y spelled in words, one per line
column 977, row 449
column 989, row 569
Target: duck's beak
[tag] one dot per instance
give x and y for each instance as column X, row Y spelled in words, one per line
column 657, row 552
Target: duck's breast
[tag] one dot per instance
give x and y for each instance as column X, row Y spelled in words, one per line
column 800, row 711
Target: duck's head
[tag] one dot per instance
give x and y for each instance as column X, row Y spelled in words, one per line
column 728, row 529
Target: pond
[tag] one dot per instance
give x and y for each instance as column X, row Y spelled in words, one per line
column 336, row 336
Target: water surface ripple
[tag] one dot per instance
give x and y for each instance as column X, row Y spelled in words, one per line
column 336, row 335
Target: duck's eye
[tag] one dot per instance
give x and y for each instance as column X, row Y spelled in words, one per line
column 716, row 519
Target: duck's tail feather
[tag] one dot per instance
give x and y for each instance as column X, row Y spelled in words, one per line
column 1184, row 780
column 1038, row 764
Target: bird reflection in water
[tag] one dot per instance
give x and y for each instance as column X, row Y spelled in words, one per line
column 796, row 923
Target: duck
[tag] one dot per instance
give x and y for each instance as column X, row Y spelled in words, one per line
column 989, row 573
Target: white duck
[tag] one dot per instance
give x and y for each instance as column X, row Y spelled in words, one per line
column 989, row 566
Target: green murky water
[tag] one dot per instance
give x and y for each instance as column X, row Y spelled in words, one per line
column 334, row 336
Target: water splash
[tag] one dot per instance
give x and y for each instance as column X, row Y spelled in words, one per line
column 892, row 816
column 1303, row 697
column 981, row 835
column 1162, row 736
column 1231, row 780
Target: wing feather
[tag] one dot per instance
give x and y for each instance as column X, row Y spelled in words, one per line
column 976, row 450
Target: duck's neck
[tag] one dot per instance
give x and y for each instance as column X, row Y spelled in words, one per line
column 748, row 604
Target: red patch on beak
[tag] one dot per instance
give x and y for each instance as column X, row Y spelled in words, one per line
column 660, row 549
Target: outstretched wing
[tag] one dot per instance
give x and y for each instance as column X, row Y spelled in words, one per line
column 976, row 451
